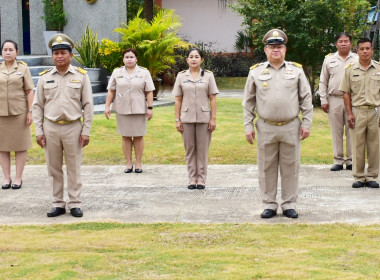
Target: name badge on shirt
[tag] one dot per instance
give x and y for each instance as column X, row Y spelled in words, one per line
column 18, row 73
column 187, row 81
column 74, row 81
column 138, row 76
column 50, row 82
column 120, row 77
column 356, row 75
column 202, row 82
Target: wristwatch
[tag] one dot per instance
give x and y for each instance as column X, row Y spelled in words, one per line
column 30, row 111
column 177, row 120
column 150, row 107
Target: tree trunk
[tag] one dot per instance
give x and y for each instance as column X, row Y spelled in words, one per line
column 148, row 8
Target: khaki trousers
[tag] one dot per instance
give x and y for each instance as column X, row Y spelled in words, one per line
column 278, row 147
column 365, row 136
column 63, row 140
column 339, row 126
column 196, row 139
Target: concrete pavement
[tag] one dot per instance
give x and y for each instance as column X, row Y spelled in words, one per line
column 159, row 194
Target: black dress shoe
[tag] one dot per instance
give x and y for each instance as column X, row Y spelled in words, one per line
column 349, row 167
column 7, row 186
column 336, row 167
column 56, row 211
column 192, row 186
column 268, row 213
column 76, row 212
column 128, row 170
column 16, row 187
column 372, row 184
column 358, row 184
column 138, row 170
column 290, row 213
column 200, row 186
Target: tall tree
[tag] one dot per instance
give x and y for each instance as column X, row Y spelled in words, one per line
column 311, row 26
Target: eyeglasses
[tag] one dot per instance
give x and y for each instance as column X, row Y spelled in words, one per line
column 273, row 47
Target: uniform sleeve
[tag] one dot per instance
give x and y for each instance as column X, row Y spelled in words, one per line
column 305, row 100
column 249, row 103
column 212, row 87
column 87, row 106
column 345, row 85
column 112, row 81
column 28, row 81
column 38, row 108
column 323, row 83
column 149, row 85
column 177, row 89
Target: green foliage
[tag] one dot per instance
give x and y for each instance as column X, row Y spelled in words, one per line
column 55, row 17
column 311, row 26
column 154, row 42
column 88, row 49
column 243, row 41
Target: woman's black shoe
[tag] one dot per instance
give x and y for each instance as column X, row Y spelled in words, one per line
column 138, row 170
column 16, row 187
column 128, row 170
column 6, row 186
column 192, row 187
column 200, row 187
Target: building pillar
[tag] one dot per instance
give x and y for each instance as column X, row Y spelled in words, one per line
column 11, row 22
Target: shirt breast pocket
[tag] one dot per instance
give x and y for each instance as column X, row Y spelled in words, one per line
column 74, row 90
column 50, row 90
column 290, row 81
column 333, row 68
column 356, row 82
column 375, row 82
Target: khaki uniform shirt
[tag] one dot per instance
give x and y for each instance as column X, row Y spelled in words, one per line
column 195, row 103
column 130, row 90
column 67, row 98
column 277, row 95
column 13, row 85
column 363, row 85
column 332, row 74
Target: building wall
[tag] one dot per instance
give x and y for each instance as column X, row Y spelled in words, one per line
column 206, row 21
column 11, row 22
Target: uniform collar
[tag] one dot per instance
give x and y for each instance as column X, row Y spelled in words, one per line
column 134, row 72
column 267, row 63
column 336, row 55
column 190, row 77
column 70, row 69
column 11, row 70
column 359, row 66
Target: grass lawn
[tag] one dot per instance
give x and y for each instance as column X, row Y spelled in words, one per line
column 163, row 144
column 188, row 251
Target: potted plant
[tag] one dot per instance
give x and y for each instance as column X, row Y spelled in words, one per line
column 154, row 42
column 89, row 56
column 55, row 19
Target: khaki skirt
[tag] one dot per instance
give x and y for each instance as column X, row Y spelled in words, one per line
column 14, row 134
column 131, row 125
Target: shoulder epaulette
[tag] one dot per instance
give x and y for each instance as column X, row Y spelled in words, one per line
column 254, row 66
column 182, row 71
column 349, row 65
column 376, row 62
column 142, row 67
column 22, row 62
column 297, row 64
column 208, row 71
column 328, row 54
column 45, row 71
column 81, row 70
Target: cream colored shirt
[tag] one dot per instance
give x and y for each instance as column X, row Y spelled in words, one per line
column 332, row 74
column 13, row 85
column 67, row 97
column 277, row 95
column 130, row 90
column 195, row 102
column 363, row 85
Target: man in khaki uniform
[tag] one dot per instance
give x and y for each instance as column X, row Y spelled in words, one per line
column 277, row 90
column 332, row 99
column 361, row 87
column 62, row 93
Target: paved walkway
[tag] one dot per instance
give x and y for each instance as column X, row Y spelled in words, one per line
column 159, row 194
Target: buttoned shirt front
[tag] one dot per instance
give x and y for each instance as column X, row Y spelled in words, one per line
column 195, row 102
column 362, row 84
column 65, row 97
column 130, row 90
column 277, row 95
column 332, row 74
column 13, row 84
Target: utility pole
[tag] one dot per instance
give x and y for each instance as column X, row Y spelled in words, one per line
column 377, row 27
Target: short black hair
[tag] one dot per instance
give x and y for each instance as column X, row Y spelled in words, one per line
column 9, row 41
column 337, row 37
column 363, row 40
column 195, row 49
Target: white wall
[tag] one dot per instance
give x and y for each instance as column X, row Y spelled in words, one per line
column 205, row 20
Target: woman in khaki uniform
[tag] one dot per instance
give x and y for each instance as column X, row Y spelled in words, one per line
column 130, row 89
column 195, row 90
column 16, row 98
